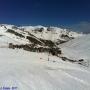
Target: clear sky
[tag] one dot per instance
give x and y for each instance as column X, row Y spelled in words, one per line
column 44, row 12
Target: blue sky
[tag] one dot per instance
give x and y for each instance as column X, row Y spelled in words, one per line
column 44, row 12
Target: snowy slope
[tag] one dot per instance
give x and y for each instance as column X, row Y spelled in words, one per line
column 11, row 37
column 50, row 33
column 47, row 33
column 32, row 71
column 40, row 35
column 78, row 48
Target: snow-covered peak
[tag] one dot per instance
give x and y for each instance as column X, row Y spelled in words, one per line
column 54, row 34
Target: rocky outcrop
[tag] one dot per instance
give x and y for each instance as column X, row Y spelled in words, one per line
column 34, row 48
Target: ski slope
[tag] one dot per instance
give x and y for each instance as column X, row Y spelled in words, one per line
column 78, row 48
column 32, row 71
column 39, row 71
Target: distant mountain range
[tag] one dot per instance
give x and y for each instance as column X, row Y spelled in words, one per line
column 39, row 34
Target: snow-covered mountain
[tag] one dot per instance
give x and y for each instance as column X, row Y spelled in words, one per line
column 26, row 70
column 78, row 48
column 39, row 33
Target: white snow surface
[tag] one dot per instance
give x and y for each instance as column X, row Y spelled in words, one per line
column 32, row 71
column 77, row 48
